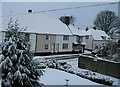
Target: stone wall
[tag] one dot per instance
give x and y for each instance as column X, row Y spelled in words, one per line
column 99, row 65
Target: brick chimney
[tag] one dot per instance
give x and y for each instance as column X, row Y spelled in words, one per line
column 86, row 29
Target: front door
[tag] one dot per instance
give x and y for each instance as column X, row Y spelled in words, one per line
column 53, row 48
column 57, row 48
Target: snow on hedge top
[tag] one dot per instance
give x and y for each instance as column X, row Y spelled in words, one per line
column 37, row 23
column 96, row 34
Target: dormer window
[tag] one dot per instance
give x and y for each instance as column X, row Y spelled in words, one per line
column 103, row 37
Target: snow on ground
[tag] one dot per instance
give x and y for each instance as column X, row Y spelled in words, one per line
column 74, row 63
column 57, row 77
column 86, row 51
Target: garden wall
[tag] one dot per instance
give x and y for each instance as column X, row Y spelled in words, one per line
column 99, row 65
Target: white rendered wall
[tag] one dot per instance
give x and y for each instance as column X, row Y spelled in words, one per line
column 32, row 42
column 60, row 41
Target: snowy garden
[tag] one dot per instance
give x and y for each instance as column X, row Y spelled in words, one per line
column 69, row 66
column 20, row 68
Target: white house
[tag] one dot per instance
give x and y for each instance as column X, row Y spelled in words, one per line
column 47, row 35
column 78, row 35
column 94, row 38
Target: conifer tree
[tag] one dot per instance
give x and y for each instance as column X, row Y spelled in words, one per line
column 18, row 69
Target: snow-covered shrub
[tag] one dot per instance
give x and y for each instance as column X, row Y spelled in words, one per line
column 38, row 60
column 61, row 68
column 93, row 77
column 108, row 51
column 62, row 63
column 52, row 63
column 80, row 74
column 41, row 66
column 17, row 68
column 71, row 71
column 67, row 66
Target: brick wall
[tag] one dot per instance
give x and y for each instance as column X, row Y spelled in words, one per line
column 100, row 66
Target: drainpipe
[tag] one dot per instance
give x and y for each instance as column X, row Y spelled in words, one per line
column 92, row 44
column 36, row 42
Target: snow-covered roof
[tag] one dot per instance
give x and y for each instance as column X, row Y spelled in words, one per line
column 96, row 34
column 76, row 31
column 37, row 23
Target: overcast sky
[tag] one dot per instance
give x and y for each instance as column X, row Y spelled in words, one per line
column 84, row 16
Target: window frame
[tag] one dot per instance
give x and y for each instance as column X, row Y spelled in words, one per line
column 65, row 46
column 66, row 37
column 103, row 37
column 87, row 37
column 46, row 46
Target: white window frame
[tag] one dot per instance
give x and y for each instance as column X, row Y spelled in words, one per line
column 63, row 46
column 65, row 37
column 48, row 46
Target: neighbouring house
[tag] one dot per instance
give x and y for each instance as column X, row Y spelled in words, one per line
column 79, row 41
column 47, row 35
column 94, row 38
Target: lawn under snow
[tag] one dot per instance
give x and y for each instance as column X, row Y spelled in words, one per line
column 74, row 64
column 57, row 77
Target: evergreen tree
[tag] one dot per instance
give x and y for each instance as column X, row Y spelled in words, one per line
column 18, row 69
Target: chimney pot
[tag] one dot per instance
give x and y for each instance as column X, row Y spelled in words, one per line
column 29, row 11
column 94, row 28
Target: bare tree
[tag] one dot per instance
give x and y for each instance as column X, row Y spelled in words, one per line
column 115, row 30
column 107, row 21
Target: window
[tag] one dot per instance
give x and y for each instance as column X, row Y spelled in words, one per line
column 65, row 46
column 103, row 37
column 47, row 37
column 87, row 37
column 79, row 39
column 65, row 37
column 46, row 46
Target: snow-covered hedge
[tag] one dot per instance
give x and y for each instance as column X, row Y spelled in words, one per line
column 93, row 77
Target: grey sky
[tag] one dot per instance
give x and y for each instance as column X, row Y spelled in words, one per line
column 84, row 16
